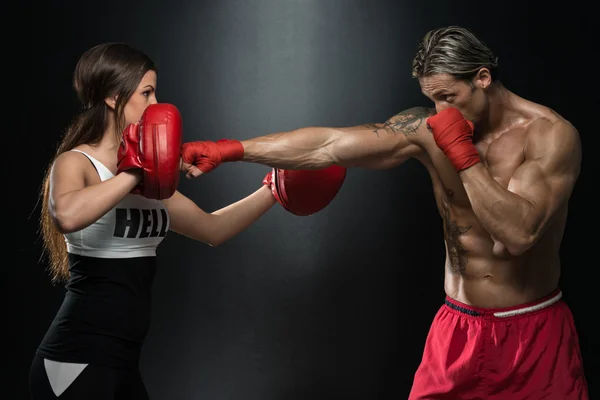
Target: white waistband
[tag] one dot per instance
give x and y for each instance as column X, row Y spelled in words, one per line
column 112, row 253
column 525, row 310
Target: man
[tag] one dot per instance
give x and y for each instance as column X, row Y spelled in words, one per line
column 503, row 169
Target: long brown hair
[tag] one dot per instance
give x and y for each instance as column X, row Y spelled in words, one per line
column 108, row 70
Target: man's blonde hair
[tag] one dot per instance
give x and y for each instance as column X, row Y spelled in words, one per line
column 453, row 50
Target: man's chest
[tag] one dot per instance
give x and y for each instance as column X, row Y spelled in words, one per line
column 501, row 155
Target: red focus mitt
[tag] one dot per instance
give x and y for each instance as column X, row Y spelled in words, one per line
column 305, row 192
column 154, row 145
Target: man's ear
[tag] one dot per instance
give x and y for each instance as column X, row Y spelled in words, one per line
column 111, row 102
column 483, row 78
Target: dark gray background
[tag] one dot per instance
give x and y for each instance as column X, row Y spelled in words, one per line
column 332, row 306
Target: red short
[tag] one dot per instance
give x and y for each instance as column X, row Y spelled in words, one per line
column 526, row 352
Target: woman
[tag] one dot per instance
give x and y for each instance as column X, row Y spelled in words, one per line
column 90, row 222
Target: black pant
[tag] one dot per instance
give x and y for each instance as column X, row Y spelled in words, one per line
column 93, row 383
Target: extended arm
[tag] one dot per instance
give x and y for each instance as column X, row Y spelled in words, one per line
column 373, row 146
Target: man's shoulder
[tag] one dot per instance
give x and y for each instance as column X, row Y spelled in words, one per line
column 548, row 128
column 546, row 123
column 551, row 133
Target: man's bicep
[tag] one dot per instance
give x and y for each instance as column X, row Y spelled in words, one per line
column 382, row 145
column 366, row 148
column 409, row 122
column 370, row 126
column 547, row 191
column 547, row 177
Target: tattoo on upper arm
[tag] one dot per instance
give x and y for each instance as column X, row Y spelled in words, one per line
column 406, row 122
column 371, row 125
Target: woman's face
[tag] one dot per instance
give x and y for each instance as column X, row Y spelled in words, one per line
column 144, row 95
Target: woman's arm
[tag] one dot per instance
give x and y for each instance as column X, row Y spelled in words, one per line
column 73, row 205
column 219, row 226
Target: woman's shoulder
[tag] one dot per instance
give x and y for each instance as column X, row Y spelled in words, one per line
column 72, row 159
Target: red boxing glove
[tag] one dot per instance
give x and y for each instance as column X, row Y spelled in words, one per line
column 154, row 146
column 453, row 134
column 209, row 155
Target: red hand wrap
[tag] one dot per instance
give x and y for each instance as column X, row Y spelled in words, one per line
column 209, row 155
column 453, row 134
column 269, row 178
column 269, row 181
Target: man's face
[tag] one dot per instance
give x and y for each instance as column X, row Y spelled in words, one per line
column 446, row 91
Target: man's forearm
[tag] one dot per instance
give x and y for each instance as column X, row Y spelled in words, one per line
column 305, row 148
column 505, row 215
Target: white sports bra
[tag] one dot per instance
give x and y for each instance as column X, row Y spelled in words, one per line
column 133, row 228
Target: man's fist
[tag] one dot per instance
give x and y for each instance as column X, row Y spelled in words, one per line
column 207, row 155
column 453, row 134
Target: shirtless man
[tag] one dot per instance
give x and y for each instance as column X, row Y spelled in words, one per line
column 503, row 169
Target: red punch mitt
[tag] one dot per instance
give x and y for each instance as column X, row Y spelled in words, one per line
column 154, row 145
column 305, row 192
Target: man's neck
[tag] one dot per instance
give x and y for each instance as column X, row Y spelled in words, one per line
column 499, row 111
